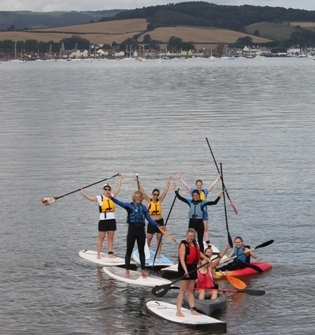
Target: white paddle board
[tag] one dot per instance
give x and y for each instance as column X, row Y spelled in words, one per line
column 105, row 260
column 174, row 267
column 168, row 312
column 161, row 261
column 135, row 277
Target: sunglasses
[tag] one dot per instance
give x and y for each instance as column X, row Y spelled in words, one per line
column 107, row 189
column 156, row 194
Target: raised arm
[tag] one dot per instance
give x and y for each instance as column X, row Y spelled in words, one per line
column 89, row 197
column 179, row 196
column 214, row 183
column 145, row 196
column 210, row 203
column 166, row 189
column 182, row 181
column 117, row 189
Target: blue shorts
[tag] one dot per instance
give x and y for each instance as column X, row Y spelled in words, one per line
column 205, row 216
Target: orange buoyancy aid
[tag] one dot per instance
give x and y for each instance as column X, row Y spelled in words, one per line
column 192, row 253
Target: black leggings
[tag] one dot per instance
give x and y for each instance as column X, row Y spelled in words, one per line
column 199, row 227
column 136, row 232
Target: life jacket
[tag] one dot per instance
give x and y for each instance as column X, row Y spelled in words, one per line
column 137, row 215
column 240, row 253
column 192, row 254
column 155, row 208
column 108, row 205
column 202, row 195
column 195, row 210
column 205, row 280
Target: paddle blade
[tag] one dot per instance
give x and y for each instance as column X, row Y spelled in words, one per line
column 253, row 292
column 236, row 282
column 48, row 200
column 265, row 244
column 161, row 290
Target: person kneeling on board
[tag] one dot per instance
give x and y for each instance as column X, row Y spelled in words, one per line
column 206, row 288
column 137, row 213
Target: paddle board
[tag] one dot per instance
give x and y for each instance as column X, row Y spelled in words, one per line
column 174, row 267
column 168, row 312
column 135, row 277
column 105, row 260
column 161, row 261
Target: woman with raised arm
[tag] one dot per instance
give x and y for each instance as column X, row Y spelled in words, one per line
column 137, row 213
column 196, row 210
column 154, row 206
column 203, row 192
column 107, row 221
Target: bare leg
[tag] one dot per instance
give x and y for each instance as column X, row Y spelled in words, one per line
column 100, row 240
column 149, row 239
column 182, row 289
column 127, row 273
column 190, row 298
column 110, row 236
column 159, row 243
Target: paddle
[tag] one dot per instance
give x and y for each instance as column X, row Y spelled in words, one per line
column 262, row 245
column 227, row 194
column 50, row 199
column 225, row 212
column 169, row 213
column 248, row 291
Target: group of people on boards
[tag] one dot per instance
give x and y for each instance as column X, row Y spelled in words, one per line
column 190, row 253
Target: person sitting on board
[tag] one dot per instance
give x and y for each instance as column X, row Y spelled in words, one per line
column 155, row 211
column 203, row 196
column 240, row 254
column 188, row 257
column 107, row 221
column 137, row 213
column 195, row 213
column 206, row 288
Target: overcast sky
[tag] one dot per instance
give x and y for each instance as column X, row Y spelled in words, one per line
column 93, row 5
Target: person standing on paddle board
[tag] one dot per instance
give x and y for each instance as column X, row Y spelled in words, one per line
column 137, row 213
column 203, row 196
column 155, row 211
column 107, row 221
column 206, row 288
column 195, row 213
column 188, row 258
column 243, row 254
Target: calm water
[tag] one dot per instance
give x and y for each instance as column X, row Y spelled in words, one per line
column 65, row 125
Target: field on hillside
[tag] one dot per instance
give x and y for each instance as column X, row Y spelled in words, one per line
column 118, row 31
column 201, row 35
column 279, row 31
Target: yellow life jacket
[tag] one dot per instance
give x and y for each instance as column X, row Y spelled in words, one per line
column 155, row 208
column 108, row 205
column 202, row 195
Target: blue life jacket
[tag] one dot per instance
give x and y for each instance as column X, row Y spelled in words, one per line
column 137, row 215
column 195, row 211
column 240, row 253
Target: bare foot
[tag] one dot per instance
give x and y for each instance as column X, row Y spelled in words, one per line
column 194, row 312
column 98, row 257
column 127, row 274
column 144, row 274
column 111, row 256
column 180, row 314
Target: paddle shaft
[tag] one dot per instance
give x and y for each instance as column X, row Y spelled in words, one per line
column 225, row 212
column 160, row 241
column 215, row 162
column 81, row 188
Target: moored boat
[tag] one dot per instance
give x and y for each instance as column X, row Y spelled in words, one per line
column 253, row 269
column 209, row 306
